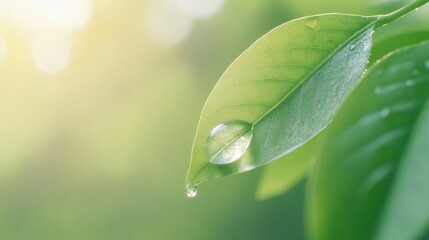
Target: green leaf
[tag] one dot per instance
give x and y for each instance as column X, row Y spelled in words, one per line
column 407, row 210
column 279, row 93
column 372, row 140
column 391, row 43
column 406, row 215
column 283, row 174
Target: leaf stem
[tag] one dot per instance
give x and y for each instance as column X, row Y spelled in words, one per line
column 388, row 18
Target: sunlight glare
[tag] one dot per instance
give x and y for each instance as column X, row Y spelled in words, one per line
column 51, row 53
column 62, row 15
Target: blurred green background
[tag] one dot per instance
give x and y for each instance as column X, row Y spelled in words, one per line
column 99, row 102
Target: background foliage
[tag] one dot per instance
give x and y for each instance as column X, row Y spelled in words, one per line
column 98, row 149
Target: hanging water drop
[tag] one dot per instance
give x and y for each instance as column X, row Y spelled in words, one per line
column 228, row 141
column 191, row 192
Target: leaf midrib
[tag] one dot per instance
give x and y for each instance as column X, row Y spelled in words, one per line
column 316, row 69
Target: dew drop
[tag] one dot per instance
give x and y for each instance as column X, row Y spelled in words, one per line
column 352, row 47
column 228, row 141
column 191, row 192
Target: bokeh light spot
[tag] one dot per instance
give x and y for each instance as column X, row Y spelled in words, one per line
column 166, row 24
column 62, row 15
column 51, row 53
column 200, row 8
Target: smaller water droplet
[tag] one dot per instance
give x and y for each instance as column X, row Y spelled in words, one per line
column 191, row 192
column 364, row 72
column 352, row 47
column 377, row 90
column 228, row 141
column 427, row 64
column 409, row 83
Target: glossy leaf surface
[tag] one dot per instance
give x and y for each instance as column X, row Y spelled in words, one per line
column 286, row 87
column 378, row 134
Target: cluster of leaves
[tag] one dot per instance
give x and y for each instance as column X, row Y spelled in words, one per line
column 301, row 95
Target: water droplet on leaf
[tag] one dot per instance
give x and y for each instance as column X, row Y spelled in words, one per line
column 352, row 47
column 228, row 141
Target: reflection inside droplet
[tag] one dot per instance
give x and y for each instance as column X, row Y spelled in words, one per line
column 228, row 141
